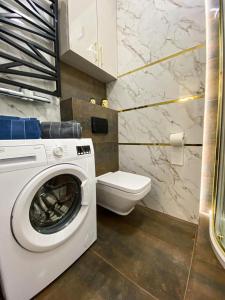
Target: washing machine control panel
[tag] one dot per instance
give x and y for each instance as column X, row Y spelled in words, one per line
column 61, row 151
column 82, row 150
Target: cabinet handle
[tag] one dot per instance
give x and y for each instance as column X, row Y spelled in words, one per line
column 96, row 52
column 101, row 55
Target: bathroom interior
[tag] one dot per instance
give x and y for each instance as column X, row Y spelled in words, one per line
column 117, row 107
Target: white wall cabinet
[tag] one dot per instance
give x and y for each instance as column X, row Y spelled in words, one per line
column 88, row 36
column 107, row 35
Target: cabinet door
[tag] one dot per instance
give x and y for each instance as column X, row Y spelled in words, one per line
column 107, row 35
column 83, row 34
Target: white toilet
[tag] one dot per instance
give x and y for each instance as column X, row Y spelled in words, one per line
column 121, row 191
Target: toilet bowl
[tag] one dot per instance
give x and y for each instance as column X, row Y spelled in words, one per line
column 121, row 191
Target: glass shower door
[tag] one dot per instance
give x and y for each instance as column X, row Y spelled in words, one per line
column 218, row 216
column 220, row 196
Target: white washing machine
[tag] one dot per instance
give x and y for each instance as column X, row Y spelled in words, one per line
column 47, row 211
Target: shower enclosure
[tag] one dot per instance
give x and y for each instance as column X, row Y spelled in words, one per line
column 217, row 222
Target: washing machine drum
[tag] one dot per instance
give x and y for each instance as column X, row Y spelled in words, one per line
column 56, row 203
column 50, row 208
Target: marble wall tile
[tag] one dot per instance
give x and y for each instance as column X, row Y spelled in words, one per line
column 172, row 79
column 149, row 29
column 21, row 108
column 175, row 189
column 155, row 124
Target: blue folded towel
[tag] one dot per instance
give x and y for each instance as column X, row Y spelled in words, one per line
column 14, row 128
column 32, row 129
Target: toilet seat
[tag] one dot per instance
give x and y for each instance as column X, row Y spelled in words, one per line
column 126, row 182
column 121, row 191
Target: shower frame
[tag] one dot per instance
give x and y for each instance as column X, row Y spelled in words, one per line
column 219, row 168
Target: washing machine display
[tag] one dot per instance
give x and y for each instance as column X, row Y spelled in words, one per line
column 56, row 204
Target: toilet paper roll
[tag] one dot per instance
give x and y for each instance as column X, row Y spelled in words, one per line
column 177, row 139
column 177, row 148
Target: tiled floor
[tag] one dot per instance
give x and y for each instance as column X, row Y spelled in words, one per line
column 207, row 280
column 146, row 255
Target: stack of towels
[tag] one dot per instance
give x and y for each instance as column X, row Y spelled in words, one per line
column 61, row 130
column 15, row 128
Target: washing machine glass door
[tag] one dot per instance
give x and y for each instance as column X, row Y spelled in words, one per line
column 51, row 207
column 56, row 203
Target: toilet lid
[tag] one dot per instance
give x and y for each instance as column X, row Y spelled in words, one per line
column 128, row 182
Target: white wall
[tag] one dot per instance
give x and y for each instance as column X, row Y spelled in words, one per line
column 162, row 33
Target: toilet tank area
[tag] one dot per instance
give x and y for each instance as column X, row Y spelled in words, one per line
column 105, row 144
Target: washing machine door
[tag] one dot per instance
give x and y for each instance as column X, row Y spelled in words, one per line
column 51, row 208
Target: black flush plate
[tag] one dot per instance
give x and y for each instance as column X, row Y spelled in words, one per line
column 99, row 125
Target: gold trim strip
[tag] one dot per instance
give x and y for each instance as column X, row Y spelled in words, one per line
column 180, row 100
column 162, row 60
column 156, row 144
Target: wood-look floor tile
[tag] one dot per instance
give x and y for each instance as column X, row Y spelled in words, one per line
column 91, row 278
column 150, row 248
column 207, row 279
